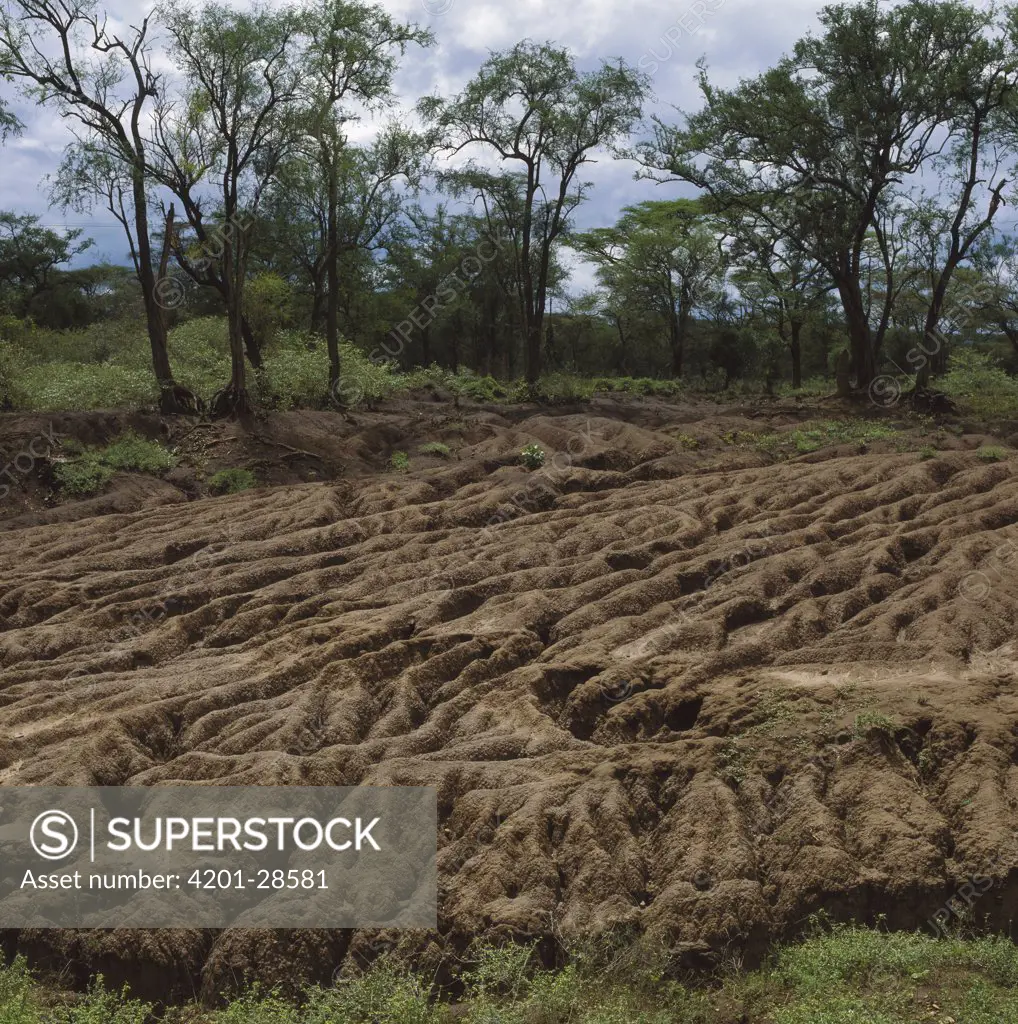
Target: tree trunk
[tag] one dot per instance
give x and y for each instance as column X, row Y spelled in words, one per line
column 251, row 344
column 623, row 348
column 173, row 399
column 859, row 334
column 233, row 400
column 532, row 352
column 795, row 347
column 332, row 271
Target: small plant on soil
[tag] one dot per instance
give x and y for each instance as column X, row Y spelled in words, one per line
column 927, row 452
column 399, row 462
column 532, row 456
column 687, row 441
column 82, row 478
column 232, row 481
column 92, row 468
column 991, row 453
column 733, row 763
column 134, row 454
column 435, row 448
column 873, row 721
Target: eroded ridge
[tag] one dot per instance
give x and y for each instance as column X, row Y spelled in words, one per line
column 706, row 704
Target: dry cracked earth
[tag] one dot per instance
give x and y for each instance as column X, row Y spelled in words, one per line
column 700, row 698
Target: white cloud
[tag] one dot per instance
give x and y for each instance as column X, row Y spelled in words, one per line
column 737, row 37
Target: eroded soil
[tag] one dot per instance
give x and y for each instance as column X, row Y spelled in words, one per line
column 687, row 690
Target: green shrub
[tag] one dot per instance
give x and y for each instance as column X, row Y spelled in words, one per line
column 81, row 386
column 811, row 437
column 874, row 721
column 532, row 456
column 435, row 448
column 101, row 1006
column 268, row 306
column 927, row 452
column 134, row 454
column 232, row 481
column 977, row 384
column 383, row 995
column 296, row 372
column 991, row 453
column 93, row 468
column 399, row 462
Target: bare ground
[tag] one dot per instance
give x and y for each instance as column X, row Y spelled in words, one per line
column 688, row 691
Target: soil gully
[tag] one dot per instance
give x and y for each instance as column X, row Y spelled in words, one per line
column 702, row 704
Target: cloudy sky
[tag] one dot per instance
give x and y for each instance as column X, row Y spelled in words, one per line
column 738, row 37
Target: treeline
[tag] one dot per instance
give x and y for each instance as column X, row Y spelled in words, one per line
column 852, row 197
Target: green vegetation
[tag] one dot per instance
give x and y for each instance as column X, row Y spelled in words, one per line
column 399, row 462
column 89, row 470
column 232, row 481
column 839, row 975
column 991, row 453
column 979, row 385
column 532, row 456
column 435, row 448
column 927, row 452
column 822, row 434
column 873, row 721
column 303, row 263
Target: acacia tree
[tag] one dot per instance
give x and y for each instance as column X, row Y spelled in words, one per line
column 352, row 55
column 779, row 282
column 235, row 125
column 664, row 255
column 816, row 144
column 534, row 108
column 64, row 53
column 29, row 254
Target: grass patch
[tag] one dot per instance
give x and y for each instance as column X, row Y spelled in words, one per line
column 435, row 448
column 839, row 975
column 232, row 481
column 992, row 453
column 399, row 462
column 811, row 437
column 867, row 722
column 92, row 468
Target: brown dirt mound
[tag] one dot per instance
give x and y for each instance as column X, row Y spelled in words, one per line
column 651, row 695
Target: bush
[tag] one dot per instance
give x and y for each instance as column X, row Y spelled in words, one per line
column 435, row 448
column 93, row 468
column 399, row 462
column 134, row 454
column 268, row 306
column 12, row 395
column 232, row 481
column 296, row 372
column 991, row 453
column 532, row 456
column 975, row 382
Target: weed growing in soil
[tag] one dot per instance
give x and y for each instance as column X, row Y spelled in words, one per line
column 843, row 974
column 93, row 468
column 532, row 456
column 927, row 452
column 232, row 481
column 399, row 462
column 991, row 453
column 873, row 721
column 822, row 434
column 435, row 448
